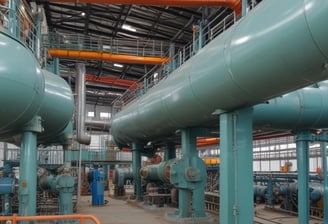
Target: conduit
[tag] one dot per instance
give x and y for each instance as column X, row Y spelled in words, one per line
column 233, row 4
column 82, row 137
column 110, row 80
column 105, row 56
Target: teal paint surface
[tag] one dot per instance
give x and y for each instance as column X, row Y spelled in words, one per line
column 274, row 49
column 236, row 167
column 27, row 91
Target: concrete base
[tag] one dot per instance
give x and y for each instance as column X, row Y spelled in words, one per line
column 172, row 216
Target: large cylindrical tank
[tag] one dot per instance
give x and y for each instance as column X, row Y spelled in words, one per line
column 27, row 91
column 275, row 49
column 57, row 106
column 304, row 108
column 21, row 86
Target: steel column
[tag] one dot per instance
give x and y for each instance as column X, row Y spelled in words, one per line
column 27, row 174
column 302, row 148
column 136, row 163
column 236, row 168
column 170, row 152
column 325, row 181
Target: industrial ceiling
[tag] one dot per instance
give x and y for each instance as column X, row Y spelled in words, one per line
column 128, row 25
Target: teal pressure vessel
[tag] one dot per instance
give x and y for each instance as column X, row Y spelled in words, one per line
column 280, row 46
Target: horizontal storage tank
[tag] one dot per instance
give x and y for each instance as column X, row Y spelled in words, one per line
column 273, row 50
column 27, row 91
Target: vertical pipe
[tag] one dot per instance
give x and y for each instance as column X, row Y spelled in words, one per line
column 27, row 174
column 79, row 175
column 325, row 181
column 302, row 147
column 236, row 169
column 243, row 8
column 136, row 163
column 82, row 137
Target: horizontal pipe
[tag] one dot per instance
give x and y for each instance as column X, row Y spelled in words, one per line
column 233, row 4
column 80, row 217
column 98, row 55
column 257, row 59
column 111, row 80
column 3, row 2
column 104, row 124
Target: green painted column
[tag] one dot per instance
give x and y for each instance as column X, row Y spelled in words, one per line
column 27, row 174
column 236, row 168
column 136, row 164
column 170, row 151
column 325, row 180
column 188, row 146
column 302, row 148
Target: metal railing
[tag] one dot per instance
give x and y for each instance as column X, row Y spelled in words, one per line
column 138, row 47
column 20, row 24
column 154, row 76
column 82, row 218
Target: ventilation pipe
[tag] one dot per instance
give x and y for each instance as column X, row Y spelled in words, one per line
column 82, row 137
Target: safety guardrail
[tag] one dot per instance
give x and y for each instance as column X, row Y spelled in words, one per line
column 20, row 25
column 152, row 78
column 15, row 218
column 138, row 47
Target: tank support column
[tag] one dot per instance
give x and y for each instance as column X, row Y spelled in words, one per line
column 28, row 168
column 236, row 168
column 170, row 152
column 136, row 163
column 189, row 175
column 302, row 148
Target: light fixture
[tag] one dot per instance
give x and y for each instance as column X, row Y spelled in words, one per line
column 118, row 65
column 83, row 14
column 127, row 27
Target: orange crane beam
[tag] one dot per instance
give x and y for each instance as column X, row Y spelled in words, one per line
column 111, row 81
column 105, row 56
column 233, row 4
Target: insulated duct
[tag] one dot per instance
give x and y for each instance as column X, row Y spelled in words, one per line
column 81, row 135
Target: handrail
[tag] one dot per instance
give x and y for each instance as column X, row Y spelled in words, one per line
column 81, row 217
column 156, row 74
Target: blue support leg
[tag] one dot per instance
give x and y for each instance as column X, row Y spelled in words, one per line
column 236, row 168
column 136, row 163
column 302, row 148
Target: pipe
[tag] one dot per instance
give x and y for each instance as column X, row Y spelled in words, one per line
column 234, row 70
column 233, row 4
column 3, row 2
column 111, row 81
column 103, row 125
column 98, row 55
column 80, row 217
column 82, row 137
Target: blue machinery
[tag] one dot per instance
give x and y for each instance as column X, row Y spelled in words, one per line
column 273, row 50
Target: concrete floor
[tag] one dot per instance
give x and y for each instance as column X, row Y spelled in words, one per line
column 120, row 211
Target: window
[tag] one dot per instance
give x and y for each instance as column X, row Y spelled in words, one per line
column 104, row 115
column 91, row 114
